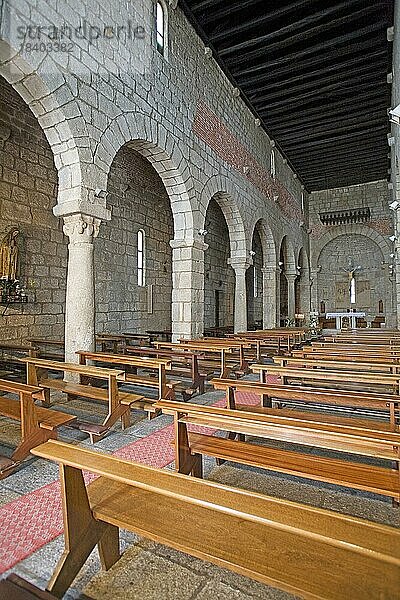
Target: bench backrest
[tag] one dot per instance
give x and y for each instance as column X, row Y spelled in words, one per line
column 122, row 359
column 329, row 375
column 88, row 370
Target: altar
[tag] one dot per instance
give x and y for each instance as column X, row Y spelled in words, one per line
column 341, row 316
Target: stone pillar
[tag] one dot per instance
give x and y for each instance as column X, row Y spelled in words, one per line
column 240, row 266
column 270, row 296
column 79, row 306
column 188, row 288
column 314, row 291
column 291, row 277
column 305, row 297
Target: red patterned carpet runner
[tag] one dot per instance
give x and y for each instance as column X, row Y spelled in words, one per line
column 33, row 520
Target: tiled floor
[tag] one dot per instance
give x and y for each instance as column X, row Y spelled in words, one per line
column 147, row 570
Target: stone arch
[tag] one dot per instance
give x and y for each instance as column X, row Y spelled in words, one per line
column 224, row 193
column 152, row 141
column 268, row 242
column 290, row 257
column 353, row 229
column 36, row 93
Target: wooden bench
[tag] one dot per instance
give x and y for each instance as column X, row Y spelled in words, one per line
column 183, row 364
column 217, row 355
column 334, row 378
column 276, row 394
column 307, row 551
column 324, row 363
column 361, row 437
column 119, row 403
column 165, row 389
column 37, row 424
column 353, row 356
column 16, row 588
column 47, row 349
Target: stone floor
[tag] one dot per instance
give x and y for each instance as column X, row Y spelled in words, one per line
column 150, row 571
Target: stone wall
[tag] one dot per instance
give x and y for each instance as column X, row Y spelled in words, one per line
column 371, row 278
column 219, row 277
column 334, row 248
column 138, row 200
column 28, row 191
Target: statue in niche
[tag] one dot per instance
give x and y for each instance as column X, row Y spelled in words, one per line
column 9, row 255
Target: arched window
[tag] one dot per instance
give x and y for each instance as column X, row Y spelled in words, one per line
column 273, row 171
column 140, row 258
column 160, row 28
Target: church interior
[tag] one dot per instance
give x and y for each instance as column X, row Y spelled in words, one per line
column 200, row 300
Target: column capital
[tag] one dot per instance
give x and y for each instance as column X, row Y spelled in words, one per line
column 188, row 243
column 81, row 228
column 291, row 275
column 240, row 263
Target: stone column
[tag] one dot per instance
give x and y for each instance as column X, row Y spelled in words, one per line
column 314, row 290
column 79, row 306
column 270, row 296
column 305, row 292
column 188, row 288
column 240, row 266
column 291, row 277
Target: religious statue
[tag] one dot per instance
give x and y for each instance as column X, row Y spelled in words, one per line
column 351, row 271
column 9, row 255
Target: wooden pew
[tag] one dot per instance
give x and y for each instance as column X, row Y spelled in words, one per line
column 183, row 364
column 119, row 403
column 13, row 587
column 157, row 381
column 215, row 355
column 47, row 349
column 336, row 378
column 359, row 437
column 323, row 353
column 37, row 424
column 235, row 350
column 336, row 556
column 271, row 392
column 324, row 363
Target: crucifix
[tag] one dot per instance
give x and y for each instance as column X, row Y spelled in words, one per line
column 351, row 270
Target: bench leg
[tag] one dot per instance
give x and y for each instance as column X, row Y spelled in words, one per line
column 109, row 547
column 81, row 531
column 197, row 469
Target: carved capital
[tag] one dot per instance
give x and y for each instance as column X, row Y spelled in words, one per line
column 81, row 229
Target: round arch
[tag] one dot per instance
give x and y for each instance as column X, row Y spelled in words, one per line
column 354, row 229
column 224, row 193
column 152, row 141
column 267, row 241
column 34, row 90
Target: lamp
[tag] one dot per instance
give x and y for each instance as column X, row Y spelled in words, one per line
column 394, row 205
column 392, row 238
column 202, row 232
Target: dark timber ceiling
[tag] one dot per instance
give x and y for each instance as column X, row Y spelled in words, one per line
column 315, row 72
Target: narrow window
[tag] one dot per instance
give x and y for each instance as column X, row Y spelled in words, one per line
column 140, row 257
column 302, row 201
column 353, row 291
column 273, row 172
column 255, row 282
column 160, row 28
